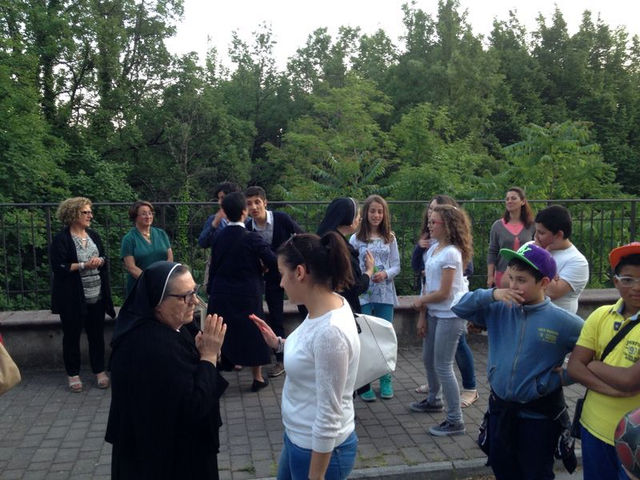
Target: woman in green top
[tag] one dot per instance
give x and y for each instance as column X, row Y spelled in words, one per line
column 143, row 244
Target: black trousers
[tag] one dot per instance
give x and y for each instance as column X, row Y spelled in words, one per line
column 92, row 319
column 533, row 458
column 274, row 296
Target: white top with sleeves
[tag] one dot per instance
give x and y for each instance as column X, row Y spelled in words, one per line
column 386, row 257
column 448, row 257
column 573, row 268
column 321, row 360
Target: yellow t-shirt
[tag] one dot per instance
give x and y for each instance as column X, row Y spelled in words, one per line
column 601, row 413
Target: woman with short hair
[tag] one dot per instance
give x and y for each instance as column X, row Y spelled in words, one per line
column 144, row 244
column 80, row 290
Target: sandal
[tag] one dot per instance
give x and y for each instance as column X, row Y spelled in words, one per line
column 102, row 380
column 468, row 397
column 75, row 384
column 423, row 389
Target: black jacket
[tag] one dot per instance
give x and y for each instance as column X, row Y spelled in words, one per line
column 67, row 294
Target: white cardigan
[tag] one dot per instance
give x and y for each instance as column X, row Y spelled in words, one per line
column 321, row 361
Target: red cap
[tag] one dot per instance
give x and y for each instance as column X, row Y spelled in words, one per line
column 619, row 253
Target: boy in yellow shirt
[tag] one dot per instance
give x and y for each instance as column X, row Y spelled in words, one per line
column 614, row 384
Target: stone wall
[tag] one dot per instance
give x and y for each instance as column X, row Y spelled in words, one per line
column 34, row 338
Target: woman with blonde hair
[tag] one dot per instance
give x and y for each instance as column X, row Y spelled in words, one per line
column 450, row 227
column 464, row 356
column 80, row 290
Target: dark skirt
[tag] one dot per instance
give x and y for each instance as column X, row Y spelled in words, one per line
column 243, row 343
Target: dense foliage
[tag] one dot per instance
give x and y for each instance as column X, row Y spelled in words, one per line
column 92, row 103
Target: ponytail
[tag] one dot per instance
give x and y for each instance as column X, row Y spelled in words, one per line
column 326, row 259
column 338, row 261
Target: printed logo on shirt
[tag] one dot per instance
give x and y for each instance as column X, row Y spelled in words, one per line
column 616, row 326
column 547, row 335
column 632, row 351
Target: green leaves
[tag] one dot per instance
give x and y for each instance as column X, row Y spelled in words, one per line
column 560, row 161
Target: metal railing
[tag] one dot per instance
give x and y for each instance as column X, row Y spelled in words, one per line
column 26, row 231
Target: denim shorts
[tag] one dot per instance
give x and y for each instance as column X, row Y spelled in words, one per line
column 295, row 461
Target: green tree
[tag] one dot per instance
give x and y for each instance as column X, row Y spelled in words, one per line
column 339, row 142
column 559, row 161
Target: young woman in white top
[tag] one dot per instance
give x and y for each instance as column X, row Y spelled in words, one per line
column 375, row 236
column 320, row 358
column 444, row 269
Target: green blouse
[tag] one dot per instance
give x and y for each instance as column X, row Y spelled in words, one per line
column 143, row 252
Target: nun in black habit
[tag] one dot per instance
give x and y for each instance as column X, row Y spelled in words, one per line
column 342, row 216
column 165, row 414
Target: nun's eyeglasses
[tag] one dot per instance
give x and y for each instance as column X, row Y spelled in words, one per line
column 191, row 296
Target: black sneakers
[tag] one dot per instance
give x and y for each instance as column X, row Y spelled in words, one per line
column 425, row 407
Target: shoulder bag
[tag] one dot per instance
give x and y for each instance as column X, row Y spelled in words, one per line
column 378, row 348
column 9, row 373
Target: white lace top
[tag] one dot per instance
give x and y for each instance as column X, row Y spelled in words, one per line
column 321, row 360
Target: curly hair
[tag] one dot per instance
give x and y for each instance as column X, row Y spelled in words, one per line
column 364, row 232
column 440, row 200
column 458, row 229
column 69, row 210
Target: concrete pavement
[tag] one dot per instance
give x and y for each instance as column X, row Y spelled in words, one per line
column 48, row 432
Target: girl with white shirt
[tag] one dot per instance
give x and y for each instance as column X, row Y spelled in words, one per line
column 320, row 358
column 449, row 226
column 375, row 236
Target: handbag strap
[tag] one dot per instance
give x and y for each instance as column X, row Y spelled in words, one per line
column 618, row 338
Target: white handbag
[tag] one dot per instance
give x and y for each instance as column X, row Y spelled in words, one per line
column 378, row 349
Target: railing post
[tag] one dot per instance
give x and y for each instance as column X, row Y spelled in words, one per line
column 632, row 225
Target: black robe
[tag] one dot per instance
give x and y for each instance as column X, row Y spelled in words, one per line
column 165, row 415
column 235, row 292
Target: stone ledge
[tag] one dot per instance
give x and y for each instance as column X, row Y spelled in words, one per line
column 34, row 338
column 44, row 318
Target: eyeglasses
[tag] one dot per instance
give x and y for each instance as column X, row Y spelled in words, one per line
column 191, row 296
column 146, row 214
column 86, row 212
column 434, row 222
column 627, row 281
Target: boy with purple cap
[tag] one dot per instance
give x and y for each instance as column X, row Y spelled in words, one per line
column 606, row 360
column 528, row 340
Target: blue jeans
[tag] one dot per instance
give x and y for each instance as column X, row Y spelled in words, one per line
column 464, row 360
column 295, row 461
column 438, row 352
column 599, row 459
column 382, row 310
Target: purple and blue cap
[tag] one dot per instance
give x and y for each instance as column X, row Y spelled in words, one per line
column 536, row 256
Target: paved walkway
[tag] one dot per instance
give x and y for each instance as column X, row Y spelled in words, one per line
column 48, row 432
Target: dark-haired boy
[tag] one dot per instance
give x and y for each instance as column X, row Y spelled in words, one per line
column 528, row 339
column 215, row 223
column 553, row 232
column 275, row 228
column 614, row 384
column 217, row 220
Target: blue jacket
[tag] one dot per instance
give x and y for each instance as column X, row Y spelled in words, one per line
column 526, row 342
column 208, row 233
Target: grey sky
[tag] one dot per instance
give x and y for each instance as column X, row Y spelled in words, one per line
column 211, row 22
